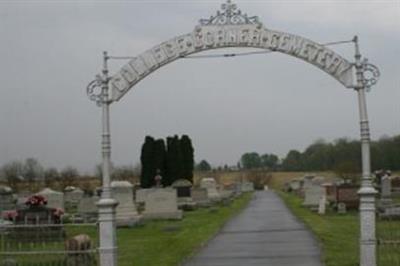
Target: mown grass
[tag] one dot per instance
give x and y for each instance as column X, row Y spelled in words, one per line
column 169, row 243
column 339, row 235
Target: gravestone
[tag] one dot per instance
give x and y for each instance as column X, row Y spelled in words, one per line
column 7, row 199
column 182, row 187
column 247, row 186
column 54, row 198
column 200, row 197
column 87, row 208
column 183, row 191
column 72, row 196
column 395, row 186
column 307, row 181
column 294, row 185
column 390, row 212
column 126, row 213
column 161, row 203
column 386, row 187
column 210, row 184
column 330, row 191
column 322, row 205
column 141, row 194
column 341, row 208
column 348, row 194
column 312, row 196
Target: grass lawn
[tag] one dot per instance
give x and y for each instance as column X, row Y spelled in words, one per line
column 339, row 235
column 151, row 244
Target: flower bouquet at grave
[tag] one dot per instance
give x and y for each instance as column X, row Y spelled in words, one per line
column 57, row 213
column 9, row 215
column 36, row 201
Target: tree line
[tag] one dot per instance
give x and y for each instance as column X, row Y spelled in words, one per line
column 31, row 170
column 342, row 156
column 172, row 159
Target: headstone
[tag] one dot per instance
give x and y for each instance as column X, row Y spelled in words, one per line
column 322, row 205
column 294, row 185
column 200, row 197
column 395, row 186
column 7, row 199
column 72, row 196
column 307, row 181
column 141, row 194
column 247, row 186
column 87, row 208
column 348, row 194
column 330, row 191
column 390, row 212
column 341, row 208
column 161, row 203
column 266, row 187
column 210, row 184
column 386, row 187
column 182, row 187
column 55, row 199
column 183, row 191
column 312, row 196
column 126, row 213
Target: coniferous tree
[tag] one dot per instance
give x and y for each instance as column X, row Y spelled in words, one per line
column 147, row 160
column 174, row 167
column 160, row 156
column 187, row 157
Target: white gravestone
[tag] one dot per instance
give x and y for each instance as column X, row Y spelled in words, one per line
column 54, row 198
column 295, row 184
column 7, row 199
column 162, row 203
column 200, row 197
column 74, row 195
column 386, row 187
column 126, row 213
column 322, row 205
column 210, row 184
column 247, row 186
column 87, row 208
column 312, row 196
column 341, row 208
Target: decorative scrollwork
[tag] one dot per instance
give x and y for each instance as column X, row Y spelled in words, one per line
column 230, row 15
column 371, row 74
column 94, row 90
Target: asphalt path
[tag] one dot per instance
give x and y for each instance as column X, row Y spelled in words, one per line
column 265, row 233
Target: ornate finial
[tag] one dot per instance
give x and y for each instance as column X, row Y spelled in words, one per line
column 371, row 74
column 229, row 15
column 94, row 90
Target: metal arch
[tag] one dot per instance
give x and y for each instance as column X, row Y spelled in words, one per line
column 230, row 15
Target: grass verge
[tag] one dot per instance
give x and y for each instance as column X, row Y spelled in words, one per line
column 339, row 234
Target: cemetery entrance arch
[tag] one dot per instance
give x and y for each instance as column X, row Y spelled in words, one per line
column 231, row 28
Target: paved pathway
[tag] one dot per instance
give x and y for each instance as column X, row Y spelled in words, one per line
column 266, row 234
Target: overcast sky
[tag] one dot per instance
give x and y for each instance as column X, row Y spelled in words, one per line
column 50, row 51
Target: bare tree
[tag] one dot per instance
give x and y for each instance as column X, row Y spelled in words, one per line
column 12, row 172
column 68, row 176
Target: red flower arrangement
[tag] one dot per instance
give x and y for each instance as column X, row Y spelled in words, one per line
column 9, row 215
column 58, row 212
column 36, row 200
